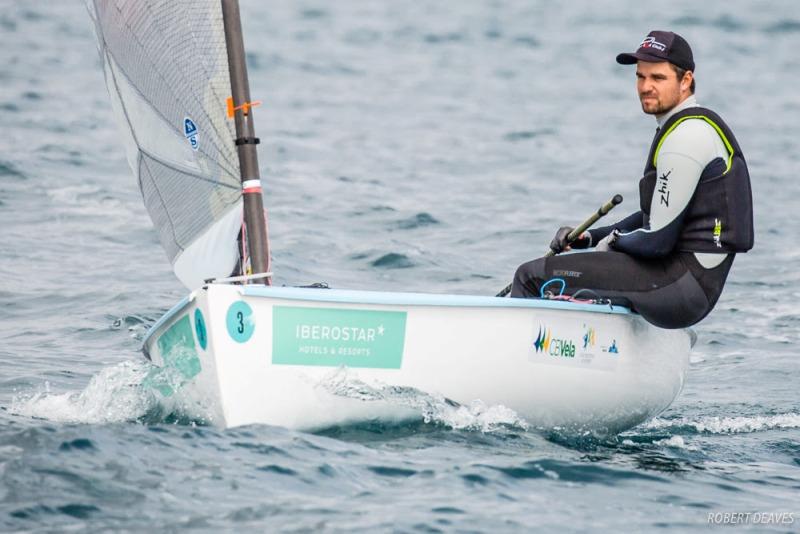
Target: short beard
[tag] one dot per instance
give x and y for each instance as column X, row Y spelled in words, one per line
column 659, row 110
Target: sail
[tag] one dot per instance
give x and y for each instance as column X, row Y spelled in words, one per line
column 166, row 69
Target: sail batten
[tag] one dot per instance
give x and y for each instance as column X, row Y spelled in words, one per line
column 167, row 72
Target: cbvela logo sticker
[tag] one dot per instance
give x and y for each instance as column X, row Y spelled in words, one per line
column 190, row 132
column 553, row 346
column 332, row 337
column 717, row 233
column 542, row 342
column 573, row 345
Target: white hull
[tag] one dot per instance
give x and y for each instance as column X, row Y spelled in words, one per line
column 256, row 354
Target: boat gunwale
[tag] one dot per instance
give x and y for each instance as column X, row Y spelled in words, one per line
column 389, row 298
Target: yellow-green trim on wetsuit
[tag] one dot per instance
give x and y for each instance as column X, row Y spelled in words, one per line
column 713, row 125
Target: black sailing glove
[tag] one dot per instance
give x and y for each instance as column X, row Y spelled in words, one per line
column 559, row 242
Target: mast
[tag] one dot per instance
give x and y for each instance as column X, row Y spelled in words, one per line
column 246, row 140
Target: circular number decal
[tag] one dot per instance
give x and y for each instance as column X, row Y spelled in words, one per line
column 241, row 322
column 200, row 329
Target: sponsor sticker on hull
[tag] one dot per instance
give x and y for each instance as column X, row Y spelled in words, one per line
column 570, row 347
column 179, row 358
column 332, row 337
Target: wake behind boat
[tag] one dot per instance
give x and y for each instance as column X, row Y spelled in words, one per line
column 243, row 351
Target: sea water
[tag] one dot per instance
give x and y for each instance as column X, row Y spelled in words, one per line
column 413, row 146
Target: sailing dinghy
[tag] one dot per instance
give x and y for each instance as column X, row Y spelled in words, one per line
column 241, row 351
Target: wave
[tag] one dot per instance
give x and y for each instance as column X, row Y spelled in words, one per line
column 137, row 391
column 672, row 442
column 112, row 395
column 784, row 26
column 393, row 260
column 431, row 408
column 132, row 391
column 727, row 425
column 417, row 221
column 8, row 169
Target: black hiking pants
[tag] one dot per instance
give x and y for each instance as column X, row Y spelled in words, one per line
column 671, row 292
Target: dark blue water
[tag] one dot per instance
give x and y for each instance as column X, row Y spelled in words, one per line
column 406, row 146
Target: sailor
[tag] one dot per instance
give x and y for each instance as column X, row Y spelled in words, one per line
column 669, row 260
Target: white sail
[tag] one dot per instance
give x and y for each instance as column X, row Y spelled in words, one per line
column 166, row 69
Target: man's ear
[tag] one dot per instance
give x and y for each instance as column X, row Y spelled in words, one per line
column 686, row 82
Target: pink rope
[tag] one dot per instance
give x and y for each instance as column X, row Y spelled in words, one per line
column 569, row 298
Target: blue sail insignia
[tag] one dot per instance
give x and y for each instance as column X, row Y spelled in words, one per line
column 190, row 131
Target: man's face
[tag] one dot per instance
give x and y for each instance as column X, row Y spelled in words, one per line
column 659, row 88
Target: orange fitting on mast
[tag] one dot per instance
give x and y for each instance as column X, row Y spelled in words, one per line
column 244, row 107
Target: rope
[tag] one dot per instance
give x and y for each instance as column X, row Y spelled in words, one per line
column 563, row 286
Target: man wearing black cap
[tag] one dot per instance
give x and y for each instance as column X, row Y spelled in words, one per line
column 670, row 259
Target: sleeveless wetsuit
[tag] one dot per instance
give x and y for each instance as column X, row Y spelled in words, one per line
column 672, row 257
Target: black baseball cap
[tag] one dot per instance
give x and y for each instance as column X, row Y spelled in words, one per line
column 661, row 46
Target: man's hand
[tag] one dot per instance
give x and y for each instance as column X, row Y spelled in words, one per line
column 559, row 242
column 606, row 244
